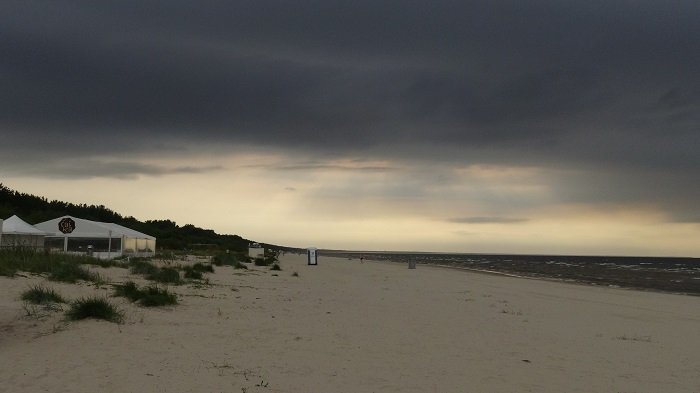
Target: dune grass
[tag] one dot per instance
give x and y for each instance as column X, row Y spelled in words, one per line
column 142, row 266
column 224, row 260
column 16, row 259
column 166, row 275
column 153, row 296
column 94, row 307
column 150, row 296
column 71, row 273
column 128, row 290
column 39, row 294
column 234, row 260
column 276, row 266
column 58, row 266
column 191, row 273
column 200, row 267
column 196, row 271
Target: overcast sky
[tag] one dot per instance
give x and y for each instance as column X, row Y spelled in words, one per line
column 568, row 127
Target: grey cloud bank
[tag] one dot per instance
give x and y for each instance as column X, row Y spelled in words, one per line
column 606, row 91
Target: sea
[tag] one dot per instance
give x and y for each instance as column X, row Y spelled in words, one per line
column 666, row 274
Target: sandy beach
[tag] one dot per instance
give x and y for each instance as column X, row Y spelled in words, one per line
column 346, row 326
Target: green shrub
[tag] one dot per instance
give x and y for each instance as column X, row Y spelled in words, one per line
column 26, row 259
column 121, row 263
column 94, row 307
column 224, row 260
column 260, row 262
column 128, row 290
column 166, row 275
column 230, row 260
column 41, row 295
column 103, row 262
column 70, row 272
column 195, row 271
column 191, row 273
column 167, row 256
column 150, row 296
column 271, row 259
column 200, row 267
column 142, row 266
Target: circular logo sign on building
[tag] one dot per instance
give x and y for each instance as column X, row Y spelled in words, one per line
column 66, row 225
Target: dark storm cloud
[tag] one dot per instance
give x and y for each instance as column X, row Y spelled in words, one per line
column 600, row 87
column 320, row 166
column 90, row 168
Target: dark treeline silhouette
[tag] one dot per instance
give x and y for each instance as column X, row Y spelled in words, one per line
column 35, row 209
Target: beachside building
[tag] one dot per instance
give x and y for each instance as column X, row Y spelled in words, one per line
column 100, row 239
column 255, row 250
column 17, row 233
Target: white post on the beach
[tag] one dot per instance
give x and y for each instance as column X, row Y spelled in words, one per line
column 109, row 246
column 312, row 254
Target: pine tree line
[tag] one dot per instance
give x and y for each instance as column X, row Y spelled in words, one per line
column 35, row 209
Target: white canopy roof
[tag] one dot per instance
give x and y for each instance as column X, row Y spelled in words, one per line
column 16, row 226
column 87, row 228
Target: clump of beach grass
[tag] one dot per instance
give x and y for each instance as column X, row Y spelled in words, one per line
column 295, row 274
column 142, row 266
column 153, row 296
column 128, row 290
column 166, row 275
column 225, row 259
column 94, row 307
column 71, row 273
column 150, row 296
column 636, row 338
column 103, row 262
column 230, row 260
column 195, row 271
column 39, row 294
column 200, row 267
column 276, row 266
column 59, row 266
column 261, row 262
column 166, row 256
column 193, row 274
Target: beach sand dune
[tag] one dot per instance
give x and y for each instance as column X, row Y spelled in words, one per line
column 343, row 326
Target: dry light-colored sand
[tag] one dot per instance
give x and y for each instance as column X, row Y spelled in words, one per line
column 344, row 326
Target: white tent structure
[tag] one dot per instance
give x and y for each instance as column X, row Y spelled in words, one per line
column 100, row 239
column 17, row 233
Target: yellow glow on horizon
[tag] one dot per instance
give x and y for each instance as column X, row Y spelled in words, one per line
column 352, row 204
